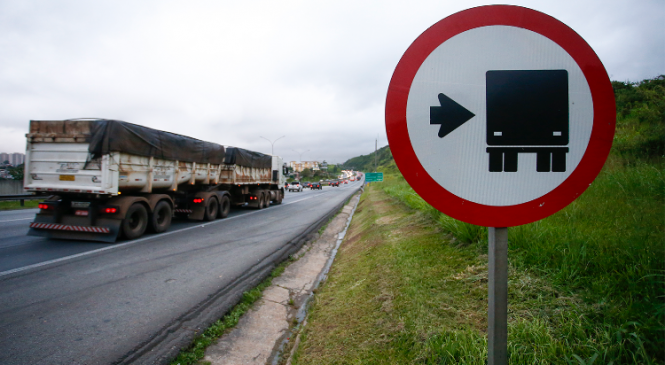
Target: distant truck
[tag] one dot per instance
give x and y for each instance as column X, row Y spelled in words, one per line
column 109, row 178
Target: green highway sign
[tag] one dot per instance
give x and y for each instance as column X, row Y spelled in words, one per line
column 373, row 176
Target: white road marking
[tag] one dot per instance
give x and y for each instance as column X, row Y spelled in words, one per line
column 14, row 220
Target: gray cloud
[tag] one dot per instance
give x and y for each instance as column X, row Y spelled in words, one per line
column 229, row 72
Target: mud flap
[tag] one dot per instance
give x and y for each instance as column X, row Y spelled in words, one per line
column 197, row 213
column 75, row 232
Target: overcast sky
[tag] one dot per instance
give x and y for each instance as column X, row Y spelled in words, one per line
column 230, row 72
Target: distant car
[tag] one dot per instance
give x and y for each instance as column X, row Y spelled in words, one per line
column 306, row 184
column 316, row 185
column 346, row 181
column 295, row 186
column 334, row 183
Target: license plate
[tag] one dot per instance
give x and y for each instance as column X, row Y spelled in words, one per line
column 80, row 204
column 82, row 213
column 66, row 177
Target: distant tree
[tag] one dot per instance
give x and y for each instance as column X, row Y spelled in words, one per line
column 5, row 162
column 16, row 172
column 306, row 174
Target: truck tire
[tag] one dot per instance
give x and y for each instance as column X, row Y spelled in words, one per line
column 260, row 202
column 211, row 209
column 266, row 199
column 279, row 198
column 160, row 219
column 224, row 207
column 135, row 222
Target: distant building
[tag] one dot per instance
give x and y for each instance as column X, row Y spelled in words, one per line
column 299, row 166
column 17, row 158
column 14, row 159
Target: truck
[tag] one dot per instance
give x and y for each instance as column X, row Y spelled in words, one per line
column 108, row 178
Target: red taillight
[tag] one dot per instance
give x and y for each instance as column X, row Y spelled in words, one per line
column 110, row 210
column 198, row 200
column 44, row 206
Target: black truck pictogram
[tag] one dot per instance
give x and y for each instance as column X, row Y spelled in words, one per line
column 527, row 112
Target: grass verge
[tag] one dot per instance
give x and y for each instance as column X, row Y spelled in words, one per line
column 15, row 204
column 585, row 285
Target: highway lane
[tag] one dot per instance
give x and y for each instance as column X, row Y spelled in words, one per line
column 136, row 300
column 18, row 250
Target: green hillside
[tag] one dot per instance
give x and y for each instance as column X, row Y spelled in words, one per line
column 366, row 162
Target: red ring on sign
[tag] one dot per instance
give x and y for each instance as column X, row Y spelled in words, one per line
column 602, row 133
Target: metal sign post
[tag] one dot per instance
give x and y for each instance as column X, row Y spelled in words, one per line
column 497, row 340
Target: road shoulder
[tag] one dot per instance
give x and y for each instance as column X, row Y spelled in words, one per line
column 260, row 333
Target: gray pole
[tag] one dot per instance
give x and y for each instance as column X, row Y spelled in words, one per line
column 376, row 142
column 497, row 336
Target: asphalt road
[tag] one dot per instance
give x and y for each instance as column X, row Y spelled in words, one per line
column 72, row 302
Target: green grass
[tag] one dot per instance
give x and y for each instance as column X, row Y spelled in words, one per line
column 607, row 248
column 15, row 204
column 403, row 291
column 196, row 350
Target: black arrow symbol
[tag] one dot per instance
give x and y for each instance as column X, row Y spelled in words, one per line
column 449, row 115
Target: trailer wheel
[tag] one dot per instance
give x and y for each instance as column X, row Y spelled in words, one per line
column 266, row 196
column 224, row 207
column 160, row 219
column 260, row 204
column 211, row 210
column 280, row 197
column 135, row 222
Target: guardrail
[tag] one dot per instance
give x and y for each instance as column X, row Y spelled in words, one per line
column 21, row 197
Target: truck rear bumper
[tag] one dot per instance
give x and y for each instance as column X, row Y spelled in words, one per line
column 106, row 230
column 64, row 227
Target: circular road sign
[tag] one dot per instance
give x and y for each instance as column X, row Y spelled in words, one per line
column 500, row 115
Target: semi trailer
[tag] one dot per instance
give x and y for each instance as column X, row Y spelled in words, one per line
column 107, row 179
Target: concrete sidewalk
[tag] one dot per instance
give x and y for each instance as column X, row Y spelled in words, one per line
column 260, row 332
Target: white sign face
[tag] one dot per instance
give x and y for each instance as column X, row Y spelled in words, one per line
column 468, row 67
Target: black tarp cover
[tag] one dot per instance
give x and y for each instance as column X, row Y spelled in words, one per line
column 242, row 157
column 118, row 136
